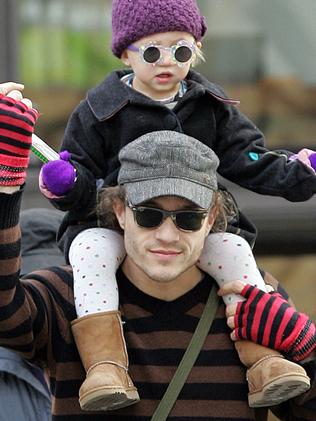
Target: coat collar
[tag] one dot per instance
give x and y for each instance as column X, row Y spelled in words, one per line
column 111, row 94
column 211, row 88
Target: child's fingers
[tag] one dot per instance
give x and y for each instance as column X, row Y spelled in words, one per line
column 16, row 95
column 231, row 287
column 233, row 336
column 231, row 309
column 27, row 102
column 269, row 288
column 231, row 322
column 7, row 87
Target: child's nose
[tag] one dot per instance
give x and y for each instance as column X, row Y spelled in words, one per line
column 167, row 57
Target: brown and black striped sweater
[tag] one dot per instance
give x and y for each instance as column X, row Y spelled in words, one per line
column 35, row 316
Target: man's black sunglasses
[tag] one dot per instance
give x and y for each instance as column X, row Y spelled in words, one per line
column 185, row 220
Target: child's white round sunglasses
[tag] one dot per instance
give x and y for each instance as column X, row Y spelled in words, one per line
column 182, row 52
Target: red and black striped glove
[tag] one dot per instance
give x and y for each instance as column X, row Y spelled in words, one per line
column 17, row 123
column 269, row 320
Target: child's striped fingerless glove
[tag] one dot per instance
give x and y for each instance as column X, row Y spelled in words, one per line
column 269, row 320
column 17, row 123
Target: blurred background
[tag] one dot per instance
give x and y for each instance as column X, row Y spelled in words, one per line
column 262, row 52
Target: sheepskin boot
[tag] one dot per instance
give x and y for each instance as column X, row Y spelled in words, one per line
column 271, row 378
column 100, row 341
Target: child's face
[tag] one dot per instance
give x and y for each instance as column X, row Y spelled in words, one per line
column 162, row 78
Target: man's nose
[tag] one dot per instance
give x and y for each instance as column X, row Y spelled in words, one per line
column 167, row 231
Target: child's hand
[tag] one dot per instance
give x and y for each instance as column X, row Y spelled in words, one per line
column 269, row 320
column 11, row 89
column 58, row 176
column 312, row 160
column 17, row 121
column 307, row 156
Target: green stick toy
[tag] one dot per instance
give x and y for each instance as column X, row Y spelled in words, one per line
column 44, row 152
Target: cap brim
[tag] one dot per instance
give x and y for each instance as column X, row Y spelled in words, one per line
column 145, row 190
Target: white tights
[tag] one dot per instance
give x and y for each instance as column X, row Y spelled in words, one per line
column 228, row 257
column 96, row 253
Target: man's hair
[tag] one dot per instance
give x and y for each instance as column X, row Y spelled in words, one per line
column 222, row 201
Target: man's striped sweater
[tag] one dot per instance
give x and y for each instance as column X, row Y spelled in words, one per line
column 35, row 320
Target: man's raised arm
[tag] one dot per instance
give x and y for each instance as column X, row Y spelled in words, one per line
column 17, row 121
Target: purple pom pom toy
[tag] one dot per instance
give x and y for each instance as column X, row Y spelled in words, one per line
column 59, row 176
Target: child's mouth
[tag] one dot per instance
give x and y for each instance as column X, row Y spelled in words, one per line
column 164, row 77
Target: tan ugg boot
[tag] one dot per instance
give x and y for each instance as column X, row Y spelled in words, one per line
column 271, row 378
column 101, row 345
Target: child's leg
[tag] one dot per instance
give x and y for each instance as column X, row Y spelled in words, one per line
column 95, row 254
column 271, row 378
column 228, row 257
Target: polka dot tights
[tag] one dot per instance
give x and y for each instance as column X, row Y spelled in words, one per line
column 95, row 254
column 228, row 257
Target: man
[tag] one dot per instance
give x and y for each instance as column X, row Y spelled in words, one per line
column 162, row 292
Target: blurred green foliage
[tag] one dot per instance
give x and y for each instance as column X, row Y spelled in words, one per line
column 58, row 56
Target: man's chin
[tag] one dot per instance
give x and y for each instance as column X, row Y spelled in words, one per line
column 162, row 277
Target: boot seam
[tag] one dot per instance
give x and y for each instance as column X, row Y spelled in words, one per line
column 105, row 362
column 123, row 338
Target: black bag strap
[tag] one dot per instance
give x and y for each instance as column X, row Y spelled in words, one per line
column 188, row 359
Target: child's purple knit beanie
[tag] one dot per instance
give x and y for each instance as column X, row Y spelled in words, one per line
column 135, row 19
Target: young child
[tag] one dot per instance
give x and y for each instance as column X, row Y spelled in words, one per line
column 160, row 40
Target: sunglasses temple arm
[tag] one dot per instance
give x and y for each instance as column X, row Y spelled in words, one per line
column 133, row 48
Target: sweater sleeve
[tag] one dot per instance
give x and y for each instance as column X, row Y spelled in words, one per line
column 29, row 307
column 19, row 309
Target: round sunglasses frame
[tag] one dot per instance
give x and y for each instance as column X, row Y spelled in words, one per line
column 172, row 50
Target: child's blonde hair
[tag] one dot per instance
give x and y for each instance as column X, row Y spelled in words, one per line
column 199, row 55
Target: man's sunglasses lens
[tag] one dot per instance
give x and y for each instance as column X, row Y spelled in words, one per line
column 189, row 221
column 148, row 218
column 183, row 54
column 151, row 54
column 152, row 218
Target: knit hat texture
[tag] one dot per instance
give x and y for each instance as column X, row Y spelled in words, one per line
column 135, row 19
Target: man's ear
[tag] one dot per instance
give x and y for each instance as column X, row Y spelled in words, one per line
column 119, row 211
column 124, row 58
